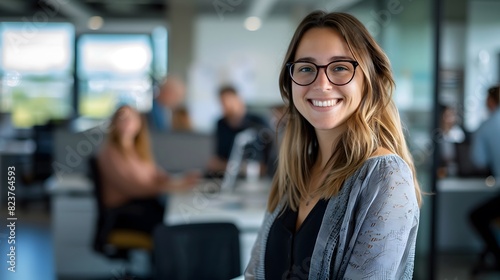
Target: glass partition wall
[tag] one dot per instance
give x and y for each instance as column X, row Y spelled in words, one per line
column 443, row 60
column 404, row 29
column 469, row 65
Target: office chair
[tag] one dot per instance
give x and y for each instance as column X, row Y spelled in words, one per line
column 205, row 251
column 113, row 243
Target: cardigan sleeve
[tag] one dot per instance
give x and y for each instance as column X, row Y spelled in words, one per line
column 388, row 222
column 250, row 271
column 255, row 263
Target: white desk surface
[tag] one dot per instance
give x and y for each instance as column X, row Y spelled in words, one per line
column 245, row 207
column 456, row 184
column 17, row 147
column 68, row 183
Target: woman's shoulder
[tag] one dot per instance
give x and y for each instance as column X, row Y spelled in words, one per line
column 384, row 159
column 381, row 151
column 383, row 179
column 384, row 174
column 383, row 169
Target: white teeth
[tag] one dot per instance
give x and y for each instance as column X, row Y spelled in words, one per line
column 326, row 103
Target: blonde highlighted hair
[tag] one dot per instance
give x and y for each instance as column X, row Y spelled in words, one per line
column 374, row 124
column 142, row 145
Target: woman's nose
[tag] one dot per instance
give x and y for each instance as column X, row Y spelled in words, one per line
column 322, row 80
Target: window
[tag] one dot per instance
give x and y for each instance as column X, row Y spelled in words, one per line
column 114, row 70
column 36, row 67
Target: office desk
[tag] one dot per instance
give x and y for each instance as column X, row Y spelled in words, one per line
column 457, row 197
column 74, row 212
column 245, row 207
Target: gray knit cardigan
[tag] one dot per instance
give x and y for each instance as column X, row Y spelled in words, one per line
column 368, row 230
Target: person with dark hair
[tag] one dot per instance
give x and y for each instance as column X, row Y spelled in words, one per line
column 344, row 202
column 486, row 153
column 236, row 119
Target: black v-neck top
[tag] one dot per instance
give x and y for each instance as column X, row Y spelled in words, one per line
column 288, row 252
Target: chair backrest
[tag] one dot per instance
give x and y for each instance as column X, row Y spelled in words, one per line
column 100, row 234
column 196, row 251
column 43, row 154
column 112, row 242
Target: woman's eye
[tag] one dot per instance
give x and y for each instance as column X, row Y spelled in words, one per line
column 339, row 68
column 306, row 69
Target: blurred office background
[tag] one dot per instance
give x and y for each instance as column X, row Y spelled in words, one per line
column 66, row 64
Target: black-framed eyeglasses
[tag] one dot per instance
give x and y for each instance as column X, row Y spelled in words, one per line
column 338, row 72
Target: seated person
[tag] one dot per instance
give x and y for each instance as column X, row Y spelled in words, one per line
column 131, row 182
column 181, row 122
column 235, row 120
column 486, row 153
column 451, row 134
column 167, row 103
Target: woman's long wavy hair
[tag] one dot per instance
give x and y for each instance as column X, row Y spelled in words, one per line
column 374, row 124
column 142, row 145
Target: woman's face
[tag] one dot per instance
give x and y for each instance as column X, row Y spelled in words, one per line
column 128, row 123
column 326, row 106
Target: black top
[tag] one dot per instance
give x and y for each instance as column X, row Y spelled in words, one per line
column 289, row 252
column 225, row 135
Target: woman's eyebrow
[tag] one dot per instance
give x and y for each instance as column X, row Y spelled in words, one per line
column 341, row 57
column 337, row 57
column 308, row 58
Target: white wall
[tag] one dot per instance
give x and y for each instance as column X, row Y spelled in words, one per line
column 225, row 52
column 482, row 55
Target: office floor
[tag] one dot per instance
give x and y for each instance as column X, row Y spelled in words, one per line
column 35, row 259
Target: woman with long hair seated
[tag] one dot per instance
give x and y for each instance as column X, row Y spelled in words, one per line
column 132, row 184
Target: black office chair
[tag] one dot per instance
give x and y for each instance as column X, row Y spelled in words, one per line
column 209, row 251
column 114, row 243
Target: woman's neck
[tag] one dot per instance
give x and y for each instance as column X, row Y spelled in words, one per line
column 327, row 143
column 127, row 144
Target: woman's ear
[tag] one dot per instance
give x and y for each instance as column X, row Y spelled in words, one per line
column 490, row 103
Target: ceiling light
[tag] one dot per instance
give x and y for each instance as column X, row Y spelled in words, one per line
column 95, row 22
column 253, row 23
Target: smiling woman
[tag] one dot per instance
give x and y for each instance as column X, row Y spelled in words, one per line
column 344, row 203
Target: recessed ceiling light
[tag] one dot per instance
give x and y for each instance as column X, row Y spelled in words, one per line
column 253, row 23
column 95, row 22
